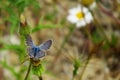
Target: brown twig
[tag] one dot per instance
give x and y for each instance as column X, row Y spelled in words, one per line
column 108, row 13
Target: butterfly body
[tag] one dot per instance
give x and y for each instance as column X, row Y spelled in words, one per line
column 36, row 53
column 35, row 62
column 35, row 50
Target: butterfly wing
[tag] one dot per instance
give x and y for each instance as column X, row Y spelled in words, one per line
column 46, row 45
column 40, row 54
column 30, row 51
column 30, row 45
column 29, row 41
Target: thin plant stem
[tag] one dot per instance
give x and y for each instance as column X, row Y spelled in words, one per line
column 64, row 42
column 90, row 54
column 40, row 78
column 87, row 27
column 73, row 78
column 103, row 32
column 88, row 32
column 108, row 13
column 100, row 28
column 26, row 77
column 87, row 62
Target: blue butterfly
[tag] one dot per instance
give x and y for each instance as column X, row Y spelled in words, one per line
column 37, row 52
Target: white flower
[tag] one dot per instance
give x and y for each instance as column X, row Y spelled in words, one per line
column 79, row 16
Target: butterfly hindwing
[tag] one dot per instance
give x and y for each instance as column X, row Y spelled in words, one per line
column 40, row 54
column 35, row 52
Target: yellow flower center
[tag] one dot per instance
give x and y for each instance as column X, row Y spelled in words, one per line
column 80, row 15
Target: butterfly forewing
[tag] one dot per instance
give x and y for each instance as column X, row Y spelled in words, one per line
column 30, row 51
column 46, row 45
column 29, row 41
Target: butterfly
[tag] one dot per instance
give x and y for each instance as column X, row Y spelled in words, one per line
column 37, row 52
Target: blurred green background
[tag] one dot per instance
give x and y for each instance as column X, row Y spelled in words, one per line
column 91, row 52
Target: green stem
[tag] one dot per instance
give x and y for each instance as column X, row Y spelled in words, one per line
column 87, row 28
column 103, row 32
column 26, row 77
column 73, row 78
column 87, row 62
column 100, row 28
column 88, row 32
column 40, row 78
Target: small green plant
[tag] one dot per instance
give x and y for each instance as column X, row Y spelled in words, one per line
column 34, row 52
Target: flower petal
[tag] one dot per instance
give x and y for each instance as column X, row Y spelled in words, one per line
column 81, row 23
column 74, row 10
column 88, row 17
column 84, row 9
column 72, row 18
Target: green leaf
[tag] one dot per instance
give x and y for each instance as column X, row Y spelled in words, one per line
column 18, row 49
column 11, row 69
column 50, row 16
column 44, row 26
column 114, row 40
column 77, row 64
column 21, row 4
column 96, row 38
column 23, row 31
column 38, row 70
